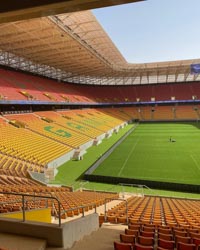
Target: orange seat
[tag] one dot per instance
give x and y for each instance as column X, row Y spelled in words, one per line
column 131, row 232
column 134, row 227
column 125, row 238
column 148, row 229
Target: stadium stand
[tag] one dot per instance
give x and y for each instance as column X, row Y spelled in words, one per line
column 26, row 146
column 163, row 113
column 165, row 223
column 27, row 87
column 186, row 112
column 68, row 199
column 158, row 212
column 60, row 119
column 69, row 123
column 50, row 130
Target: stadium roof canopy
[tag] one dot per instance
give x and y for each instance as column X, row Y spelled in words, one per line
column 73, row 47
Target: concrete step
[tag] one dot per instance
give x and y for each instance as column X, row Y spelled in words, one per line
column 102, row 239
column 15, row 242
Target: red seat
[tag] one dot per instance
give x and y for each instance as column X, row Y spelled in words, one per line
column 122, row 246
column 166, row 244
column 165, row 236
column 161, row 248
column 180, row 233
column 196, row 241
column 140, row 247
column 185, row 246
column 195, row 235
column 147, row 234
column 164, row 230
column 181, row 239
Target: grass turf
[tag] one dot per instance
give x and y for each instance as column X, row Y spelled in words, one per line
column 148, row 154
column 70, row 171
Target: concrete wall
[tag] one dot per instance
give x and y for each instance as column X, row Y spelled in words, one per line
column 86, row 145
column 49, row 232
column 62, row 159
column 76, row 229
column 55, row 236
column 101, row 137
column 39, row 177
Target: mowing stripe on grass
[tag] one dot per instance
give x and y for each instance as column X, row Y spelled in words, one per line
column 130, row 153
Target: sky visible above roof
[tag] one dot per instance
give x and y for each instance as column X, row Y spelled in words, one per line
column 154, row 30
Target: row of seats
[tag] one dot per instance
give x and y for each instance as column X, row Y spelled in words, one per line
column 69, row 200
column 20, row 86
column 179, row 112
column 26, row 146
column 157, row 211
column 50, row 130
column 150, row 236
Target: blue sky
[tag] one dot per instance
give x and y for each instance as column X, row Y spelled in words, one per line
column 154, row 30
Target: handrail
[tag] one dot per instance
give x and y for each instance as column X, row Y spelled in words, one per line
column 118, row 199
column 23, row 195
column 135, row 185
column 51, row 195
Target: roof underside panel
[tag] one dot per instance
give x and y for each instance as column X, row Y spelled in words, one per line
column 74, row 47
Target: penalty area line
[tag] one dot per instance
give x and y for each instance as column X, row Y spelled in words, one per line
column 194, row 160
column 130, row 153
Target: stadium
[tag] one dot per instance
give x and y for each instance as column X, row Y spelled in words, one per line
column 93, row 148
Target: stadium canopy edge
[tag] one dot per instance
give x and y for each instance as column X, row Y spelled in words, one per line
column 12, row 10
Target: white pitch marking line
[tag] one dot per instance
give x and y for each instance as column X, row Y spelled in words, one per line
column 194, row 160
column 122, row 168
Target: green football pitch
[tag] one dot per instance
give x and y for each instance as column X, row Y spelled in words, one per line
column 148, row 154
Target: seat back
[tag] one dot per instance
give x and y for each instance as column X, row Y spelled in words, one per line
column 131, row 232
column 122, row 246
column 145, row 241
column 185, row 246
column 147, row 234
column 165, row 236
column 140, row 247
column 125, row 238
column 166, row 244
